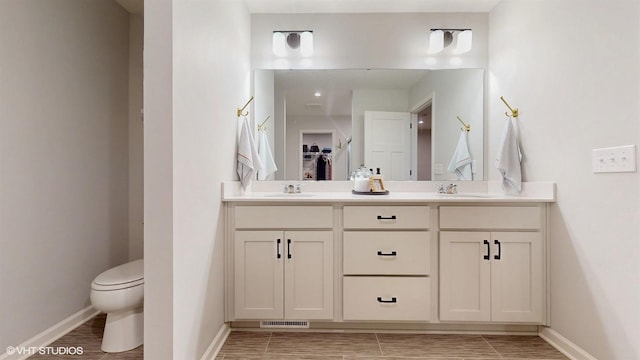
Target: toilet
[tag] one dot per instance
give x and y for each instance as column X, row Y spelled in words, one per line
column 119, row 293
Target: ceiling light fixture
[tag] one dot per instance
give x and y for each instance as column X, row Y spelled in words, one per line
column 439, row 39
column 294, row 40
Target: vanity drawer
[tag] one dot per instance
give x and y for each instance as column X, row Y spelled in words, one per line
column 386, row 217
column 386, row 298
column 386, row 253
column 490, row 217
column 283, row 217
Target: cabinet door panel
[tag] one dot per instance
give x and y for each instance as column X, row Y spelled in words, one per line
column 516, row 278
column 465, row 293
column 309, row 275
column 258, row 275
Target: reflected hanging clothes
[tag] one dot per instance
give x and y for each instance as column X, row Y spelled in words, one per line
column 323, row 168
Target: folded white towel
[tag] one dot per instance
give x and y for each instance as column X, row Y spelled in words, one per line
column 508, row 160
column 248, row 158
column 266, row 157
column 461, row 161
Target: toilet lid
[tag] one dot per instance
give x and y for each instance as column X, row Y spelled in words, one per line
column 131, row 273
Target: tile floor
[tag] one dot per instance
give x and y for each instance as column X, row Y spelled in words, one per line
column 260, row 345
column 364, row 346
column 89, row 337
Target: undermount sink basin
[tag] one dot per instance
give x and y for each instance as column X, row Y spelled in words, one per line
column 466, row 195
column 287, row 195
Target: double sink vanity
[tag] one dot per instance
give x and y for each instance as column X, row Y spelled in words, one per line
column 412, row 260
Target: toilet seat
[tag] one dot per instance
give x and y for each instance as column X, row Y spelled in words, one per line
column 120, row 277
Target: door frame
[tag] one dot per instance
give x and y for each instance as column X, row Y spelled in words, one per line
column 414, row 110
column 301, row 141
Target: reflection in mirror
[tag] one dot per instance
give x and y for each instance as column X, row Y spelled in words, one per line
column 401, row 121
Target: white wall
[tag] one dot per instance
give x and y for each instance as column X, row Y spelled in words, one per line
column 343, row 41
column 263, row 107
column 136, row 144
column 63, row 157
column 196, row 75
column 455, row 93
column 572, row 69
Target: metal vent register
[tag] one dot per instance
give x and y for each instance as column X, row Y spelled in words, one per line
column 285, row 324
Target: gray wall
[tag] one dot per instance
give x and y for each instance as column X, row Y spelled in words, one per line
column 63, row 157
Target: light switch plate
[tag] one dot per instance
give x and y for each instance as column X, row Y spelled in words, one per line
column 614, row 159
column 437, row 169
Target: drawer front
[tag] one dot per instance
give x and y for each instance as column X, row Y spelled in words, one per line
column 490, row 217
column 386, row 298
column 283, row 217
column 386, row 253
column 386, row 217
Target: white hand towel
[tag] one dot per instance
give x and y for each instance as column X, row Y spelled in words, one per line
column 461, row 161
column 266, row 157
column 248, row 159
column 508, row 160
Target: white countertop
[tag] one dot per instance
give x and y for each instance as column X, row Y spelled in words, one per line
column 399, row 192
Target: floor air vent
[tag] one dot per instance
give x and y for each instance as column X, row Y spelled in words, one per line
column 285, row 324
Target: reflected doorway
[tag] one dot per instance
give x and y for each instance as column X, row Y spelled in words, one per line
column 424, row 153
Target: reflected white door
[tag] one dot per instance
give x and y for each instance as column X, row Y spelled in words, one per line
column 387, row 143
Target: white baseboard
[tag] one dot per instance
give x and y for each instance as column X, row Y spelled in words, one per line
column 217, row 342
column 51, row 334
column 564, row 345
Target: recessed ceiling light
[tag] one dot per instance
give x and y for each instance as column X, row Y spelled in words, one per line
column 317, row 94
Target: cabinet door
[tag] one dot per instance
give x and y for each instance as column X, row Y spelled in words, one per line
column 308, row 272
column 516, row 277
column 259, row 274
column 465, row 276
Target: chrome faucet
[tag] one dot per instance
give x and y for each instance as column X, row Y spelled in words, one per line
column 292, row 189
column 450, row 189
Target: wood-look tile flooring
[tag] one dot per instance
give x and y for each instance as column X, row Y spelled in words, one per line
column 89, row 337
column 261, row 345
column 364, row 346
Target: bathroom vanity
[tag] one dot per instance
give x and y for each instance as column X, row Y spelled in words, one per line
column 413, row 259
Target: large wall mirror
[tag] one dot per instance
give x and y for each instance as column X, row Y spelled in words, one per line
column 326, row 123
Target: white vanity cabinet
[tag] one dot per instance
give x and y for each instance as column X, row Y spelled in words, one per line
column 283, row 262
column 491, row 264
column 386, row 263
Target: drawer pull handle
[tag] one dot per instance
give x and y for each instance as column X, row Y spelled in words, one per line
column 278, row 249
column 288, row 248
column 392, row 217
column 392, row 301
column 497, row 242
column 486, row 242
column 393, row 253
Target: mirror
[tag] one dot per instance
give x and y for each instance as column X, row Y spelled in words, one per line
column 334, row 113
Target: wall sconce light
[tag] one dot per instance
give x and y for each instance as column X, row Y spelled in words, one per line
column 442, row 38
column 302, row 40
